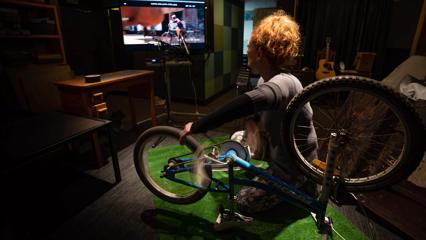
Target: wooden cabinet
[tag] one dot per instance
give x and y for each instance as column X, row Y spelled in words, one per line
column 30, row 32
column 86, row 98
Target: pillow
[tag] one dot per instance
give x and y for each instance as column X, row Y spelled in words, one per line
column 413, row 88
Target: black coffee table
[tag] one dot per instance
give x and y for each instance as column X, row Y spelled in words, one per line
column 24, row 138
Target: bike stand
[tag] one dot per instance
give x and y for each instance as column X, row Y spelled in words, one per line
column 326, row 228
column 228, row 219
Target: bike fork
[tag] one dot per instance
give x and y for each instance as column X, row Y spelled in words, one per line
column 324, row 223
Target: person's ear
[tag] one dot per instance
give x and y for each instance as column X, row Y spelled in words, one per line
column 259, row 55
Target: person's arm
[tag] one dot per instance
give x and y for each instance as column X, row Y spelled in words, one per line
column 264, row 97
column 268, row 96
column 239, row 107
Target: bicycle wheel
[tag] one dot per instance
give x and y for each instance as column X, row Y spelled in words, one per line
column 383, row 132
column 166, row 37
column 157, row 150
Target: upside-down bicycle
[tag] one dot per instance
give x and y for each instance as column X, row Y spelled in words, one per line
column 368, row 137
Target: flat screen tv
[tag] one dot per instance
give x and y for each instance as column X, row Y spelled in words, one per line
column 148, row 23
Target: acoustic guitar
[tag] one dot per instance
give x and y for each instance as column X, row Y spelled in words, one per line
column 325, row 66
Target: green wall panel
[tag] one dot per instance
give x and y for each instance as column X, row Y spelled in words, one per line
column 218, row 83
column 218, row 12
column 225, row 61
column 236, row 17
column 218, row 38
column 227, row 38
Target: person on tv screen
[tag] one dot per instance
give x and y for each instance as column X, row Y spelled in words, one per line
column 275, row 40
column 176, row 25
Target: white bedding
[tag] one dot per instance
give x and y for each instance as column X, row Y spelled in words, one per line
column 409, row 77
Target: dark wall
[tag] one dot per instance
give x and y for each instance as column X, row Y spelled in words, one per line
column 400, row 32
column 403, row 25
column 87, row 37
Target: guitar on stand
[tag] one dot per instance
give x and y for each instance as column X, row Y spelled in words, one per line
column 325, row 65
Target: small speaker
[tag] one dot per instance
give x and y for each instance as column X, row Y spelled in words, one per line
column 92, row 78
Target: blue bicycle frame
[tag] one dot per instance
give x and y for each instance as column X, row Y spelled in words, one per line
column 275, row 185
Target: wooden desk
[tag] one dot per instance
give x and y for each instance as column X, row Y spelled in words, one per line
column 86, row 99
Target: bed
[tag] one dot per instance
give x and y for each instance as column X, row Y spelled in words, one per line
column 409, row 78
column 402, row 207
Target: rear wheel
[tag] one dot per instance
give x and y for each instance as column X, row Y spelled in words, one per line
column 383, row 133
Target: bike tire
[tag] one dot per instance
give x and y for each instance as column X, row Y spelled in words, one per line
column 384, row 145
column 159, row 139
column 166, row 37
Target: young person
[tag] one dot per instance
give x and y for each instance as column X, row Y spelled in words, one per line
column 274, row 41
column 176, row 25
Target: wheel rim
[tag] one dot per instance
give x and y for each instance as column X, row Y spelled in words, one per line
column 154, row 154
column 375, row 129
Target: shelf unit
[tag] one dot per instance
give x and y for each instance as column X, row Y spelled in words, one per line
column 30, row 32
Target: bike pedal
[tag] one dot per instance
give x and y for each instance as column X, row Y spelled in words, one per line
column 227, row 219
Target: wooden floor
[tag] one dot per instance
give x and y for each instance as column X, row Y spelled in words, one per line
column 90, row 206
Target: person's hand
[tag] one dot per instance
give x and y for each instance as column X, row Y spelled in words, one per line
column 185, row 132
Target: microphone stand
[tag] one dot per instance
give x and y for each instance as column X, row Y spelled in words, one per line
column 166, row 66
column 182, row 40
column 166, row 75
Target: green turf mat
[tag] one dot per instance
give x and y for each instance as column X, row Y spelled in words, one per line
column 195, row 221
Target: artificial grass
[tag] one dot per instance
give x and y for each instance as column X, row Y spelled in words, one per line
column 195, row 221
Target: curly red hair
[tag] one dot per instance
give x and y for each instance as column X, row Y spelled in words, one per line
column 278, row 37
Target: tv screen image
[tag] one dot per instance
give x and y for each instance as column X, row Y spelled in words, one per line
column 148, row 23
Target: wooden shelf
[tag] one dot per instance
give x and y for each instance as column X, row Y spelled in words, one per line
column 49, row 40
column 35, row 36
column 28, row 4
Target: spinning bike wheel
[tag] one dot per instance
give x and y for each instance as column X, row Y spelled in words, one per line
column 155, row 151
column 383, row 133
column 166, row 37
column 170, row 38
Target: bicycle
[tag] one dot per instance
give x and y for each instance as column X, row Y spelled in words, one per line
column 170, row 37
column 368, row 138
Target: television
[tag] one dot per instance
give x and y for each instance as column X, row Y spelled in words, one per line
column 149, row 23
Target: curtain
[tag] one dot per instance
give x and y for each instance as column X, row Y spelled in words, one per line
column 353, row 25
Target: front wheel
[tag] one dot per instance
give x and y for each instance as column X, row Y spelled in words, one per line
column 163, row 165
column 383, row 133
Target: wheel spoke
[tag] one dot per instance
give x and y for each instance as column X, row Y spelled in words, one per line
column 369, row 119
